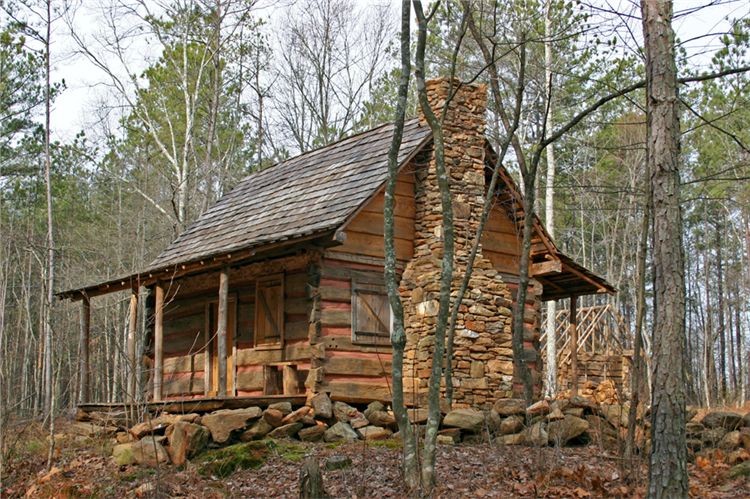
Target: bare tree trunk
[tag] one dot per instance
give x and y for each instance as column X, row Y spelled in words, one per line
column 398, row 337
column 549, row 202
column 668, row 477
column 640, row 313
column 720, row 313
column 446, row 273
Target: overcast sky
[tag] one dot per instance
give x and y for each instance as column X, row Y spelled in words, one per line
column 77, row 108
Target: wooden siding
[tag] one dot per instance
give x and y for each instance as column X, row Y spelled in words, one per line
column 364, row 233
column 501, row 243
column 352, row 371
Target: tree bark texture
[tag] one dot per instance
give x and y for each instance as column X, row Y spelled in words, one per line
column 668, row 477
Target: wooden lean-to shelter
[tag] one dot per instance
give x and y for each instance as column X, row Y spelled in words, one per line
column 277, row 289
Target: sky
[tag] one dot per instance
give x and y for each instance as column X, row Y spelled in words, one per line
column 698, row 22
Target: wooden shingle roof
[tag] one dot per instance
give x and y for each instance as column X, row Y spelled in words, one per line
column 308, row 194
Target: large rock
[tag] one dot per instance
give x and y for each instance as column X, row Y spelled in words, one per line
column 722, row 419
column 511, row 424
column 375, row 433
column 745, row 438
column 746, row 420
column 260, row 429
column 730, row 441
column 284, row 407
column 296, row 416
column 381, row 418
column 92, row 430
column 374, row 407
column 712, row 436
column 274, row 417
column 536, row 435
column 563, row 431
column 418, row 415
column 223, row 423
column 340, row 431
column 466, row 419
column 286, row 431
column 509, row 407
column 540, row 408
column 145, row 451
column 155, row 426
column 603, row 433
column 616, row 414
column 322, row 406
column 358, row 421
column 185, row 441
column 344, row 412
column 694, row 430
column 514, row 439
column 313, row 433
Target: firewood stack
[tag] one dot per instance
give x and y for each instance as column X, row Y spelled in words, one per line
column 603, row 393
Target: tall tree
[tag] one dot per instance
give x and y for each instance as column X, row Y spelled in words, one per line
column 668, row 476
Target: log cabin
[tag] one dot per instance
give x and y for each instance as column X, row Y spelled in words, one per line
column 277, row 290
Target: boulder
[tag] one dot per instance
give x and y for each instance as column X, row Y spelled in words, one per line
column 555, row 415
column 285, row 431
column 322, row 406
column 343, row 412
column 358, row 421
column 313, row 433
column 540, row 408
column 536, row 435
column 712, row 436
column 445, row 440
column 417, row 415
column 722, row 419
column 284, row 407
column 296, row 416
column 123, row 437
column 260, row 429
column 694, row 430
column 453, row 433
column 340, row 431
column 730, row 441
column 511, row 424
column 616, row 414
column 574, row 411
column 736, row 456
column 603, row 432
column 745, row 438
column 223, row 423
column 746, row 420
column 274, row 417
column 582, row 402
column 155, row 426
column 493, row 421
column 375, row 433
column 563, row 431
column 92, row 430
column 186, row 440
column 374, row 407
column 145, row 451
column 466, row 419
column 381, row 418
column 509, row 407
column 514, row 439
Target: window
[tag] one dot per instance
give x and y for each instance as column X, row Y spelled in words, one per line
column 269, row 311
column 371, row 314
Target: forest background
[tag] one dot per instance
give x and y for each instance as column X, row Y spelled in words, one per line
column 125, row 119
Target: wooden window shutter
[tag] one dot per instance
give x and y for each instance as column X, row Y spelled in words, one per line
column 269, row 310
column 371, row 314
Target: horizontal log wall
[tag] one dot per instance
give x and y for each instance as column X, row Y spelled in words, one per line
column 349, row 371
column 501, row 242
column 184, row 347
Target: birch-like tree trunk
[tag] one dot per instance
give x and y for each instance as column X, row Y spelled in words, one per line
column 398, row 336
column 668, row 476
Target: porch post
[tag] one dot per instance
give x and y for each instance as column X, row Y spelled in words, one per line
column 132, row 328
column 574, row 342
column 85, row 336
column 158, row 341
column 221, row 333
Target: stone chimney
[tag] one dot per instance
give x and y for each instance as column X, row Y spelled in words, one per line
column 482, row 361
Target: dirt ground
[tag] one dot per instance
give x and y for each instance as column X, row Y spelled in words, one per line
column 84, row 469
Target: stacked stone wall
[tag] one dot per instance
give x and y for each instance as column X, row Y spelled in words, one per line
column 483, row 360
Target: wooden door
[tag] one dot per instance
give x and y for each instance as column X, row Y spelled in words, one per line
column 214, row 346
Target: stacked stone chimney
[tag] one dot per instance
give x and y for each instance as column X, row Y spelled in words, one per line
column 482, row 361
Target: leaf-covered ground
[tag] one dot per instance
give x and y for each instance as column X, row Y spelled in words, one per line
column 83, row 469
